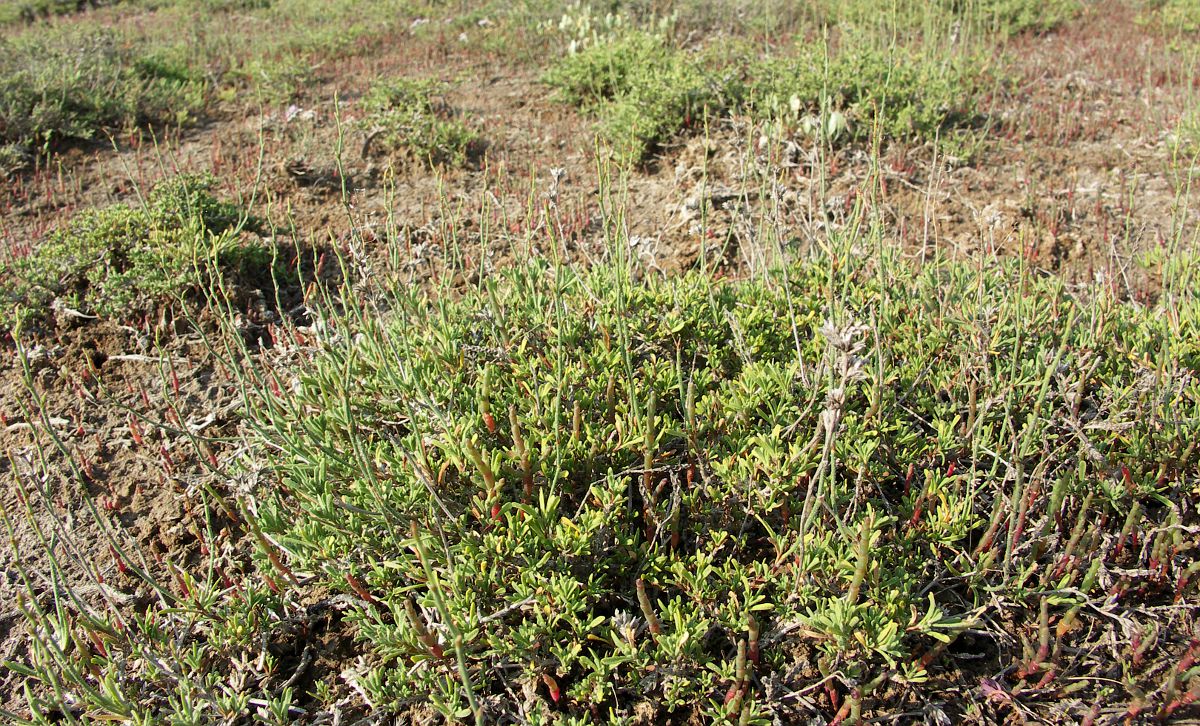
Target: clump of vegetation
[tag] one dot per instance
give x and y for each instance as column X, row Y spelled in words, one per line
column 13, row 158
column 619, row 497
column 643, row 90
column 693, row 498
column 65, row 86
column 31, row 10
column 1180, row 16
column 82, row 80
column 409, row 115
column 991, row 17
column 1012, row 17
column 861, row 91
column 119, row 261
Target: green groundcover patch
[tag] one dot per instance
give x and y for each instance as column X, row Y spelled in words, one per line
column 68, row 85
column 122, row 260
column 585, row 497
column 644, row 92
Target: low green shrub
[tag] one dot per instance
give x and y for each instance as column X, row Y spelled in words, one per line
column 407, row 114
column 643, row 91
column 937, row 19
column 686, row 499
column 1180, row 16
column 59, row 86
column 581, row 497
column 119, row 261
column 1012, row 17
column 13, row 158
column 862, row 90
column 30, row 10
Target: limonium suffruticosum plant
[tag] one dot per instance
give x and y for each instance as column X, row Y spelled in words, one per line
column 448, row 474
column 599, row 489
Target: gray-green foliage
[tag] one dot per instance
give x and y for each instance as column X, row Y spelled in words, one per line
column 644, row 91
column 13, row 159
column 408, row 114
column 117, row 261
column 30, row 10
column 1180, row 16
column 1011, row 17
column 985, row 17
column 899, row 94
column 58, row 86
column 858, row 456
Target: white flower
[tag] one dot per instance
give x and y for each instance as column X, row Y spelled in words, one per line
column 845, row 339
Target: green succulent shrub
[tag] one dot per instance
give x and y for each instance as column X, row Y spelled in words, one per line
column 14, row 158
column 32, row 10
column 899, row 94
column 657, row 497
column 407, row 114
column 1012, row 17
column 121, row 260
column 642, row 90
column 994, row 17
column 1179, row 16
column 63, row 86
